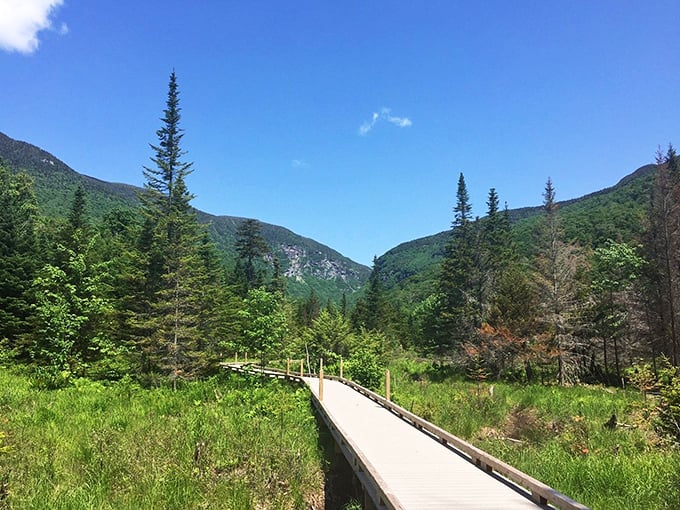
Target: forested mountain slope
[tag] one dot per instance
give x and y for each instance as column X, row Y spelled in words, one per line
column 410, row 270
column 307, row 263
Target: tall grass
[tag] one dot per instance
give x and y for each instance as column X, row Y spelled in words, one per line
column 554, row 434
column 232, row 443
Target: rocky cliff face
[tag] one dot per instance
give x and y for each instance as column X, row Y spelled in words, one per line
column 300, row 263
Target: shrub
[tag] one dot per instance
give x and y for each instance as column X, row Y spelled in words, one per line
column 363, row 367
column 668, row 421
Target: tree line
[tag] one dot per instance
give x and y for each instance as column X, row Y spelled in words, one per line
column 145, row 292
column 560, row 311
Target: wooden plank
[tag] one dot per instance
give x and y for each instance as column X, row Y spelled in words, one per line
column 415, row 470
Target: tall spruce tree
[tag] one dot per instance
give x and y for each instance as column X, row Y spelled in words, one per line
column 459, row 276
column 175, row 272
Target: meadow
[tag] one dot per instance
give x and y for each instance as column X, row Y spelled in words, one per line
column 558, row 435
column 230, row 442
column 239, row 442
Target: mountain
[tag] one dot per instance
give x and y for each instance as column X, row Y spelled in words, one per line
column 307, row 263
column 410, row 270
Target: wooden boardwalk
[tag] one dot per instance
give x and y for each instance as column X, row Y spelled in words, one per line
column 404, row 462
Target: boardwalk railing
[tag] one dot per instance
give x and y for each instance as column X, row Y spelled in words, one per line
column 536, row 490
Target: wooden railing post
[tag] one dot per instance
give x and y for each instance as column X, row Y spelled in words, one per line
column 321, row 379
column 387, row 384
column 236, row 357
column 340, row 367
column 246, row 356
column 302, row 367
column 288, row 366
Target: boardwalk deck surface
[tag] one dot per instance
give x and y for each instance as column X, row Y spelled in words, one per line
column 418, row 471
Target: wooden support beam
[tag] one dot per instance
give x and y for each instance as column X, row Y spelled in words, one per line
column 321, row 379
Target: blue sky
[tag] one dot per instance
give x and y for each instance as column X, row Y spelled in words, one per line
column 349, row 121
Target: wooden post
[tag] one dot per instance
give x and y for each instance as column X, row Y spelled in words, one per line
column 246, row 356
column 387, row 384
column 302, row 367
column 288, row 366
column 321, row 379
column 236, row 357
column 340, row 367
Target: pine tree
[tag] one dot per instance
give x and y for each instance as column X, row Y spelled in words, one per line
column 309, row 309
column 251, row 248
column 278, row 280
column 175, row 272
column 371, row 312
column 19, row 257
column 459, row 311
column 496, row 252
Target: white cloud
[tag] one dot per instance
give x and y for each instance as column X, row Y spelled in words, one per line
column 22, row 20
column 385, row 114
column 299, row 163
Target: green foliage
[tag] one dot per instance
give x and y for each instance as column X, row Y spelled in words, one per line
column 19, row 257
column 459, row 280
column 251, row 248
column 364, row 368
column 266, row 323
column 70, row 310
column 223, row 443
column 669, row 402
column 304, row 259
column 410, row 271
column 176, row 276
column 553, row 433
column 368, row 358
column 329, row 337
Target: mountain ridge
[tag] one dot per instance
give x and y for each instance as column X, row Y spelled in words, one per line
column 410, row 269
column 307, row 263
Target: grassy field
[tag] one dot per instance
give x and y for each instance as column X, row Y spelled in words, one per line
column 555, row 434
column 232, row 443
column 246, row 443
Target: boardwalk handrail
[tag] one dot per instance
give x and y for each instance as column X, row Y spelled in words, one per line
column 540, row 493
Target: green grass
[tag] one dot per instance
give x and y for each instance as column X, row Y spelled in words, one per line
column 554, row 434
column 234, row 443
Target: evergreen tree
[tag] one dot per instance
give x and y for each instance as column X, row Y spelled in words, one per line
column 278, row 281
column 496, row 253
column 18, row 255
column 309, row 309
column 329, row 337
column 251, row 248
column 175, row 276
column 371, row 311
column 76, row 217
column 459, row 278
